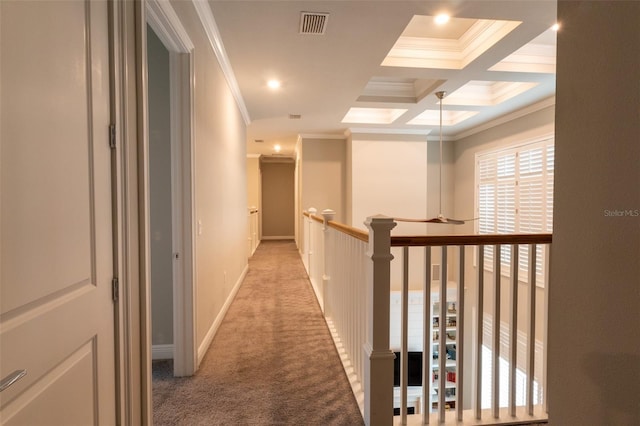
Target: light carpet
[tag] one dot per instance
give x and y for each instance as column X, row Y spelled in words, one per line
column 272, row 361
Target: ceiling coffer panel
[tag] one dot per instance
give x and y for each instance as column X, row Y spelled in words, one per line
column 313, row 22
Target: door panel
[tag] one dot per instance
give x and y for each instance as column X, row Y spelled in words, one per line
column 56, row 312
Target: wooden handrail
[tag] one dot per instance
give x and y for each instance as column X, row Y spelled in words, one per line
column 313, row 217
column 354, row 232
column 469, row 240
column 441, row 240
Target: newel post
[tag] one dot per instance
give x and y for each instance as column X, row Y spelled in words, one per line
column 378, row 359
column 327, row 215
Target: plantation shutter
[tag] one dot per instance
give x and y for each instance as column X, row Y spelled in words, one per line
column 531, row 197
column 487, row 187
column 515, row 195
column 506, row 200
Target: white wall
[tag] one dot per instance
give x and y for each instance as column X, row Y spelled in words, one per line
column 220, row 180
column 594, row 300
column 160, row 192
column 398, row 176
column 254, row 191
column 323, row 175
column 388, row 177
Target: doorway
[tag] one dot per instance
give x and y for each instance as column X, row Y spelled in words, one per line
column 160, row 198
column 170, row 189
column 278, row 198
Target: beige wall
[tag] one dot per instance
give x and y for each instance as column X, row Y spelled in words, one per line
column 594, row 300
column 398, row 176
column 278, row 199
column 253, row 182
column 388, row 176
column 323, row 175
column 160, row 192
column 220, row 180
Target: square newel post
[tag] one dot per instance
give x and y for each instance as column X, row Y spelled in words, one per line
column 378, row 359
column 327, row 215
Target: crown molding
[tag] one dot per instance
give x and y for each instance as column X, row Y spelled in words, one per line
column 448, row 53
column 164, row 21
column 386, row 131
column 302, row 136
column 545, row 103
column 215, row 40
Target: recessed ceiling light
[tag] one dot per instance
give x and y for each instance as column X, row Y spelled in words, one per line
column 273, row 84
column 556, row 26
column 277, row 148
column 442, row 19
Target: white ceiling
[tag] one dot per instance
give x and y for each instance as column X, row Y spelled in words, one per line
column 324, row 76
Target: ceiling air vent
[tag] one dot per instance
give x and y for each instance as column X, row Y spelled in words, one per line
column 295, row 116
column 313, row 23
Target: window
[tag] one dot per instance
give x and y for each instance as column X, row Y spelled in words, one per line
column 504, row 364
column 521, row 383
column 515, row 195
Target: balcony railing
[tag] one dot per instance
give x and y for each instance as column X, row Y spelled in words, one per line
column 479, row 332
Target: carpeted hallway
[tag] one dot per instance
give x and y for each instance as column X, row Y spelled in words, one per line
column 272, row 361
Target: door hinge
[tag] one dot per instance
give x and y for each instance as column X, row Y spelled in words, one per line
column 112, row 136
column 115, row 289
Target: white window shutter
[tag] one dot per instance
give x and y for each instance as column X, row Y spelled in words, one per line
column 515, row 195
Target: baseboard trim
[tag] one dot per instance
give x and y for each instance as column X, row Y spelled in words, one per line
column 279, row 237
column 208, row 338
column 161, row 352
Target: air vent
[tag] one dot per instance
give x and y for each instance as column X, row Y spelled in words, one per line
column 258, row 140
column 295, row 116
column 313, row 23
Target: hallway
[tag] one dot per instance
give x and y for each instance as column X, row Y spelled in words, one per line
column 272, row 361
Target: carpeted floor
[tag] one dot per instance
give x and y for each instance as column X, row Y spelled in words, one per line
column 272, row 361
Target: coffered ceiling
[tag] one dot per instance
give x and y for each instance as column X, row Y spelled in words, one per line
column 374, row 66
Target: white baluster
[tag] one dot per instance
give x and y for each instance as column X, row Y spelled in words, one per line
column 460, row 353
column 495, row 357
column 513, row 332
column 479, row 332
column 532, row 328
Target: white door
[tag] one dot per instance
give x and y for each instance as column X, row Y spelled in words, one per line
column 56, row 309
